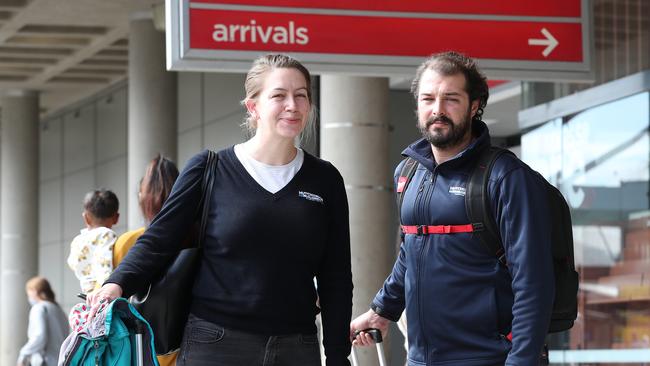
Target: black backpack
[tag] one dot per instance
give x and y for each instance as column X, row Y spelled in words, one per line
column 565, row 305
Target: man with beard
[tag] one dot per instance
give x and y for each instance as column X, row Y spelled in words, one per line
column 460, row 301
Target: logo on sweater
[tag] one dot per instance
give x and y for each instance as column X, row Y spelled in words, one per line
column 458, row 191
column 310, row 196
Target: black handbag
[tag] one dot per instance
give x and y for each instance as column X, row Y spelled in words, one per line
column 166, row 303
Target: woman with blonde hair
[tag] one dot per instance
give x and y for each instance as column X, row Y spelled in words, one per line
column 277, row 219
column 48, row 325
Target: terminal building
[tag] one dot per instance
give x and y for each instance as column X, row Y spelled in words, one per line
column 91, row 90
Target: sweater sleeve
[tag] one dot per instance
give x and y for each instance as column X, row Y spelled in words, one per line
column 522, row 215
column 163, row 239
column 36, row 333
column 335, row 280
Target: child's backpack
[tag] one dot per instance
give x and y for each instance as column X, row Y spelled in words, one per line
column 120, row 337
column 565, row 305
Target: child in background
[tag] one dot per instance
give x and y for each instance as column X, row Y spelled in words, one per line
column 91, row 252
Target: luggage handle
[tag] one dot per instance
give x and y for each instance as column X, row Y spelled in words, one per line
column 374, row 333
column 376, row 336
column 139, row 343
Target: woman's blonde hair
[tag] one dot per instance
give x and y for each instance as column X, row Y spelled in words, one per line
column 255, row 82
column 42, row 288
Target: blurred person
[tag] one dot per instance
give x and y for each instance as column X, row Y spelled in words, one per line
column 48, row 325
column 155, row 187
column 91, row 252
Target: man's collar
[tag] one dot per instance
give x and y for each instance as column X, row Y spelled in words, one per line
column 421, row 149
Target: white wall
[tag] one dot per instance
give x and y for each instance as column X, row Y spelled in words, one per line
column 209, row 113
column 81, row 148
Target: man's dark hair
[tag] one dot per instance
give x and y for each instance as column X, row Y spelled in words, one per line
column 101, row 203
column 452, row 63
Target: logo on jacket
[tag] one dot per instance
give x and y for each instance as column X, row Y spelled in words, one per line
column 458, row 191
column 310, row 196
column 401, row 183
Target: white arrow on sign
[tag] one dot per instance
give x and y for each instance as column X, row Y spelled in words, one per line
column 550, row 42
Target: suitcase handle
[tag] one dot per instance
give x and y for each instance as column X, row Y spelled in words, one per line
column 374, row 333
column 376, row 336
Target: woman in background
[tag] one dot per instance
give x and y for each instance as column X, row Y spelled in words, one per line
column 48, row 325
column 155, row 186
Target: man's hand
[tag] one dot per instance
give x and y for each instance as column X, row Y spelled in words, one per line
column 369, row 319
column 102, row 297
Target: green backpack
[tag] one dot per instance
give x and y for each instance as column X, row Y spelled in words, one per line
column 127, row 340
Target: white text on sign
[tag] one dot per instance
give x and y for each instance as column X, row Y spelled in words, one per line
column 253, row 33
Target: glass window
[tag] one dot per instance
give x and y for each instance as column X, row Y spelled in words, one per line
column 543, row 150
column 599, row 158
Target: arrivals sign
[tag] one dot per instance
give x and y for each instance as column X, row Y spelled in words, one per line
column 513, row 39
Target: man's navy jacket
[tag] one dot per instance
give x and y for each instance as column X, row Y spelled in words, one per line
column 460, row 301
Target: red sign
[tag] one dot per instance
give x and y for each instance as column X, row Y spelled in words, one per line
column 538, row 8
column 382, row 36
column 514, row 39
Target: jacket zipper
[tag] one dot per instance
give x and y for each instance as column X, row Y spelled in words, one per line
column 75, row 347
column 420, row 315
column 420, row 200
column 434, row 177
column 96, row 347
column 425, row 197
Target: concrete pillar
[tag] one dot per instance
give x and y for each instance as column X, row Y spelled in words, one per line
column 354, row 137
column 19, row 216
column 152, row 106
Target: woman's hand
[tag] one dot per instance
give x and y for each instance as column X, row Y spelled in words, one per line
column 103, row 296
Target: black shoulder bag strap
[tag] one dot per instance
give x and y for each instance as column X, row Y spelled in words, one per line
column 207, row 186
column 408, row 170
column 478, row 206
column 207, row 183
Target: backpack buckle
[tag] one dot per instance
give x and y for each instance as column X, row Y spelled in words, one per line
column 422, row 229
column 478, row 226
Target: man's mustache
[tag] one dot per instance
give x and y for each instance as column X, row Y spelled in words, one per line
column 441, row 119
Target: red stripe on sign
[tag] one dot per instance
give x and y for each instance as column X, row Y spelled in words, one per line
column 384, row 36
column 495, row 83
column 544, row 8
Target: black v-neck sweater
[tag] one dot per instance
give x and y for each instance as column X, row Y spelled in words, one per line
column 261, row 251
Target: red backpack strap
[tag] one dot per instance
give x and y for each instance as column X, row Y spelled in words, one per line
column 437, row 229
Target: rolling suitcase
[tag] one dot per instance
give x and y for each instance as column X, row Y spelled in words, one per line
column 376, row 336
